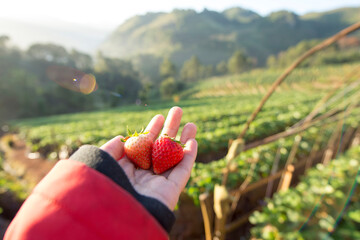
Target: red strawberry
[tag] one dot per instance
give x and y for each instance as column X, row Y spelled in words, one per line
column 138, row 149
column 166, row 153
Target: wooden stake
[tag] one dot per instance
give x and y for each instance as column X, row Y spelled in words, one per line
column 208, row 215
column 346, row 139
column 273, row 171
column 287, row 178
column 329, row 153
column 314, row 150
column 328, row 156
column 221, row 208
column 291, row 158
column 356, row 140
column 236, row 147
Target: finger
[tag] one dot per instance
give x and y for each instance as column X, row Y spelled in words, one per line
column 114, row 147
column 181, row 173
column 155, row 125
column 172, row 122
column 188, row 132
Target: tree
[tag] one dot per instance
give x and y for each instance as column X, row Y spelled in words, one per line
column 144, row 93
column 206, row 71
column 239, row 62
column 167, row 68
column 191, row 71
column 81, row 60
column 113, row 74
column 168, row 87
column 285, row 58
column 221, row 68
column 271, row 61
column 49, row 52
column 3, row 41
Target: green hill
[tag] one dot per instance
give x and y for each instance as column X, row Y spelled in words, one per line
column 240, row 15
column 214, row 36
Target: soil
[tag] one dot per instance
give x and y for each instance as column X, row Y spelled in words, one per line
column 19, row 164
column 4, row 223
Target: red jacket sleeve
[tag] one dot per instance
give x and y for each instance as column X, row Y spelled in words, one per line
column 76, row 202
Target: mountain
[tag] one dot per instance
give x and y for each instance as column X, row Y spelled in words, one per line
column 69, row 35
column 240, row 15
column 214, row 36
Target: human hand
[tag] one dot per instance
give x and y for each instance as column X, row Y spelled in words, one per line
column 167, row 186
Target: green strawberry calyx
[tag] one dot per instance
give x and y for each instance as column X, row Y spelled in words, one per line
column 174, row 140
column 134, row 134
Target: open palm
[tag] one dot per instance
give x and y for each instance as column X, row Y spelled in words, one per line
column 165, row 187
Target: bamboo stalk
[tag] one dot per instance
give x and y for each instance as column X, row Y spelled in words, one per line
column 220, row 222
column 277, row 136
column 329, row 153
column 236, row 147
column 244, row 184
column 240, row 221
column 296, row 130
column 314, row 150
column 331, row 116
column 255, row 186
column 287, row 72
column 297, row 62
column 322, row 103
column 264, row 181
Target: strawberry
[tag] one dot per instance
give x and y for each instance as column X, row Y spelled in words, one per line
column 166, row 153
column 138, row 148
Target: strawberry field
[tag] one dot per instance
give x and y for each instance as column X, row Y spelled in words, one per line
column 256, row 81
column 220, row 117
column 271, row 98
column 217, row 120
column 316, row 206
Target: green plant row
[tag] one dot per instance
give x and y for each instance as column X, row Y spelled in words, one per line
column 205, row 176
column 254, row 80
column 217, row 120
column 324, row 205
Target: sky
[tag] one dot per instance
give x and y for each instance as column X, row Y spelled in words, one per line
column 108, row 14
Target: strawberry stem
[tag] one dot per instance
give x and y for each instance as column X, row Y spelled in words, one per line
column 174, row 140
column 135, row 134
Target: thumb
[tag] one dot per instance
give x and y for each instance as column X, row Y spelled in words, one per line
column 114, row 147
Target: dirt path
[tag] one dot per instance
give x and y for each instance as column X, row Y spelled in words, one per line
column 18, row 163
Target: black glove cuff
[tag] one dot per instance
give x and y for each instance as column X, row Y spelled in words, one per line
column 102, row 162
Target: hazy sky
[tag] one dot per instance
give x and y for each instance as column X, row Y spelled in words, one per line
column 110, row 13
